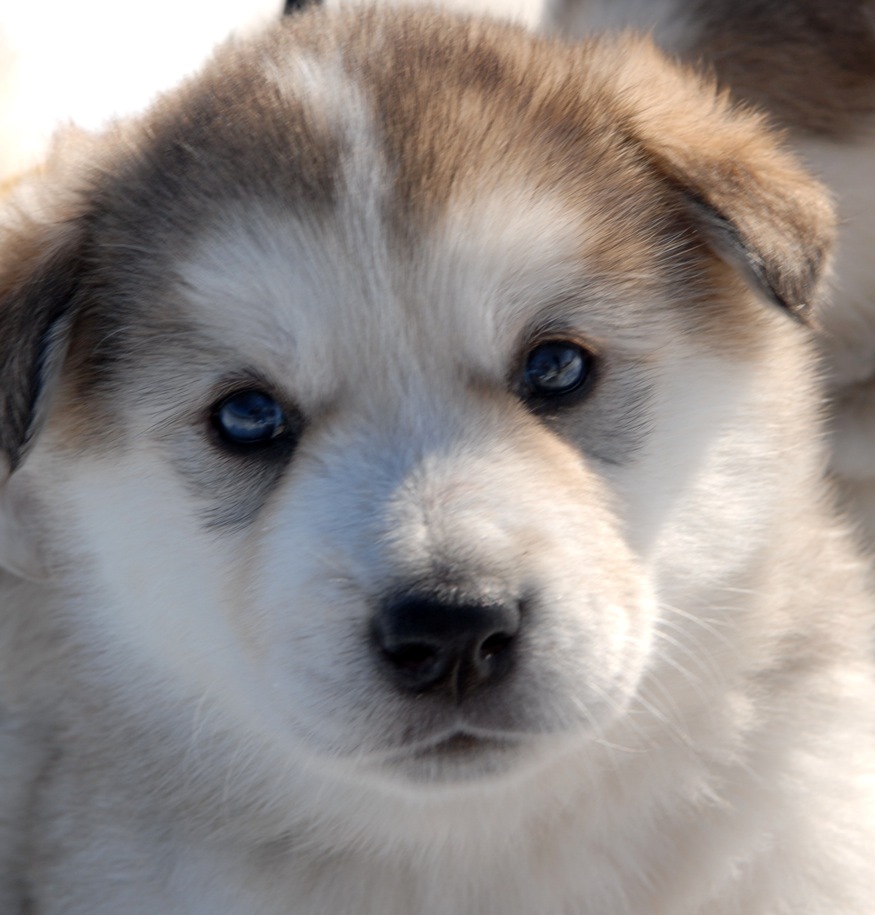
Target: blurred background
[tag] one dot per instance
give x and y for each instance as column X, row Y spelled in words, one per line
column 87, row 60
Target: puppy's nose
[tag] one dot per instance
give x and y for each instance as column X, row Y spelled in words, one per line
column 449, row 646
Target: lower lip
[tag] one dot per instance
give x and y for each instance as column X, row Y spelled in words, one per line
column 461, row 751
column 460, row 745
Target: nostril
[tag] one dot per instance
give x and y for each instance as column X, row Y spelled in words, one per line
column 413, row 658
column 495, row 644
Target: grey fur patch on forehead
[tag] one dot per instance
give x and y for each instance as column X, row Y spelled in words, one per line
column 233, row 132
column 277, row 117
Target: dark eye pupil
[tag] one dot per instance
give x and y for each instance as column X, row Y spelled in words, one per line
column 249, row 418
column 556, row 368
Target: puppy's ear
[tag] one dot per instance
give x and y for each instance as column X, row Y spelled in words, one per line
column 751, row 200
column 39, row 280
column 41, row 248
column 40, row 270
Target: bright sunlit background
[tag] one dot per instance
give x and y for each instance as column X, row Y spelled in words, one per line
column 88, row 60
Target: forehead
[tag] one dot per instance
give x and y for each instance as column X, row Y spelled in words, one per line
column 274, row 282
column 343, row 185
column 327, row 107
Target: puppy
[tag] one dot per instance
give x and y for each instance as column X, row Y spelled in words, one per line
column 414, row 498
column 811, row 66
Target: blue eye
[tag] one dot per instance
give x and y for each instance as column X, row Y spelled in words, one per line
column 555, row 368
column 249, row 418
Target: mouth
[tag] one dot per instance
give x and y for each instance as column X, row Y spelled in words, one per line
column 460, row 746
column 458, row 756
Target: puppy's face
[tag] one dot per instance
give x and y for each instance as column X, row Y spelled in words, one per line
column 411, row 378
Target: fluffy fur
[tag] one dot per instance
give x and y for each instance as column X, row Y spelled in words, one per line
column 376, row 218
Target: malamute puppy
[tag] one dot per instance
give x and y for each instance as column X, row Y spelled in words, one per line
column 413, row 498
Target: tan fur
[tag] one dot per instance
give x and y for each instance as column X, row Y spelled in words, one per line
column 375, row 219
column 811, row 67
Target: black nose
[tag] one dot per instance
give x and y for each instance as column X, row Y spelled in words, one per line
column 453, row 646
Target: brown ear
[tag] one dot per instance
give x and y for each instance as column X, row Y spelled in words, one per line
column 40, row 267
column 750, row 199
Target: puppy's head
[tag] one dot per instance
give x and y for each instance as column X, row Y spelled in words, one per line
column 387, row 387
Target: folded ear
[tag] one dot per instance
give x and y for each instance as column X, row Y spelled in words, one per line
column 750, row 199
column 41, row 260
column 40, row 269
column 39, row 280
